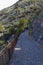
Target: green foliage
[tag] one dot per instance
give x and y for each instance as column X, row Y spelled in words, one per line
column 2, row 44
column 19, row 26
column 23, row 24
column 5, row 12
column 11, row 30
column 2, row 41
column 16, row 24
column 13, row 17
column 2, row 28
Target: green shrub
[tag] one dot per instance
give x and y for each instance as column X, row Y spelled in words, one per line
column 2, row 28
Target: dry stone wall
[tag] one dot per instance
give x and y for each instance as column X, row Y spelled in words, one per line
column 6, row 53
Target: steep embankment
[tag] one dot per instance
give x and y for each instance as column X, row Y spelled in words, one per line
column 28, row 9
column 23, row 8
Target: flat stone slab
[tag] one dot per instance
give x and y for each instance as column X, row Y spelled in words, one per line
column 27, row 52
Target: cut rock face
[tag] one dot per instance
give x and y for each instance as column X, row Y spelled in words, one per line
column 37, row 31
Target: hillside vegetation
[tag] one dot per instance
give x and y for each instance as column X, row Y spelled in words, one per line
column 22, row 9
column 22, row 15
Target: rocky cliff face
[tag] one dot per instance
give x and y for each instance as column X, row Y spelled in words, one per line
column 38, row 31
column 29, row 9
column 37, row 27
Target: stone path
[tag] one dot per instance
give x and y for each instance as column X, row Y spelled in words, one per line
column 27, row 52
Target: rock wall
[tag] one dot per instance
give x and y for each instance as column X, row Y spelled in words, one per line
column 6, row 53
column 37, row 31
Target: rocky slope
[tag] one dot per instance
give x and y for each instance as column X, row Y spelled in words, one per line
column 23, row 8
column 28, row 9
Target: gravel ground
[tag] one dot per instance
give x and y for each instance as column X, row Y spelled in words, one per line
column 27, row 52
